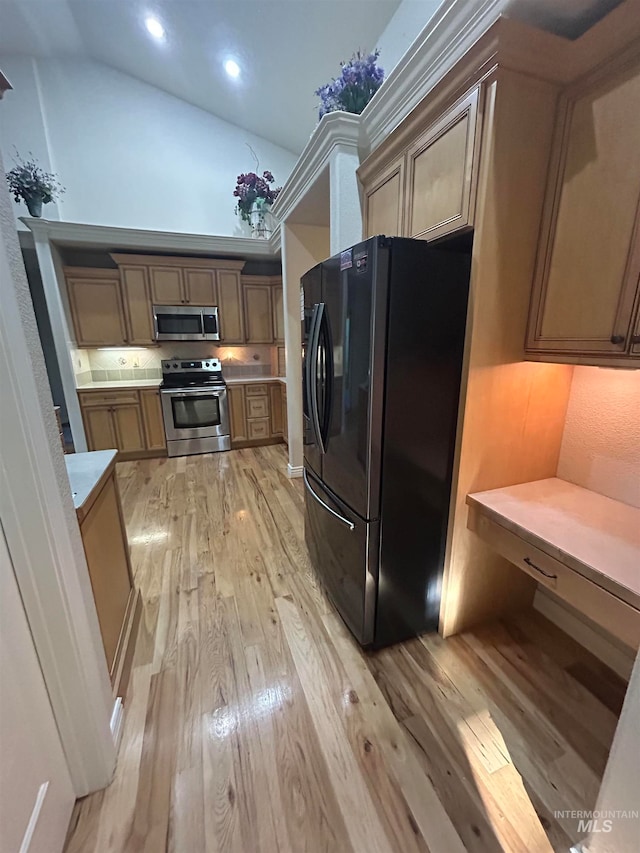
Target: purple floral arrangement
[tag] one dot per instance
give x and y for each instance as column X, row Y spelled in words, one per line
column 254, row 189
column 358, row 82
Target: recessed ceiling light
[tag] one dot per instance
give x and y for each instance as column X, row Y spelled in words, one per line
column 232, row 68
column 155, row 27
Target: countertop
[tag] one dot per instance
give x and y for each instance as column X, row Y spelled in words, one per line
column 120, row 385
column 87, row 473
column 592, row 534
column 130, row 385
column 250, row 380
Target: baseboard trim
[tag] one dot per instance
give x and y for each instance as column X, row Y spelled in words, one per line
column 606, row 648
column 117, row 718
column 294, row 471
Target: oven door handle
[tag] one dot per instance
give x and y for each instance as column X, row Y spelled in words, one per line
column 193, row 392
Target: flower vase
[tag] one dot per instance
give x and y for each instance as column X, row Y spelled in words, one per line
column 259, row 221
column 34, row 206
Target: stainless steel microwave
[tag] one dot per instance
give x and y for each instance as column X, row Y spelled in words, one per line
column 185, row 323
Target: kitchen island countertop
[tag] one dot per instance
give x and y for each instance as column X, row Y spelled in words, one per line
column 87, row 473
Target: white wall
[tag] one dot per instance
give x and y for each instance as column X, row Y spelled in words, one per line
column 601, row 441
column 129, row 154
column 33, row 770
column 404, row 28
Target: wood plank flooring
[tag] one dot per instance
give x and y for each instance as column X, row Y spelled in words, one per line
column 255, row 724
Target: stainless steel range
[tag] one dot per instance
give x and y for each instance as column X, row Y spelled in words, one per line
column 194, row 406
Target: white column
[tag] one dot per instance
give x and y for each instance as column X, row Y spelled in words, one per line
column 303, row 246
column 55, row 295
column 345, row 207
column 614, row 828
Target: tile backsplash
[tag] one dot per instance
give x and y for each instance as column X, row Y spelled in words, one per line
column 109, row 364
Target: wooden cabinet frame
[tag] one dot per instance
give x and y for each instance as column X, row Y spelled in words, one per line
column 466, row 108
column 397, row 168
column 618, row 344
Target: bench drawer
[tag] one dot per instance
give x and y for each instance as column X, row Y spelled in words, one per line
column 257, row 407
column 607, row 610
column 255, row 390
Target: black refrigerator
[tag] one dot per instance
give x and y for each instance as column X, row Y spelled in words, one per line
column 383, row 338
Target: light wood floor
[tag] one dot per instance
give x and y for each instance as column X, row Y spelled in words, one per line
column 254, row 723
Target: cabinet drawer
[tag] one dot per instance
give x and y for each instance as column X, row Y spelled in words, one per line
column 100, row 398
column 255, row 390
column 614, row 615
column 257, row 407
column 258, row 428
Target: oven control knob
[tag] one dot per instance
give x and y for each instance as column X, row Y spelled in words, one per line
column 207, row 364
column 175, row 366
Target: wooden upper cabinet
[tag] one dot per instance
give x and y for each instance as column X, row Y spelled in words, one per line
column 200, row 287
column 384, row 202
column 152, row 418
column 230, row 307
column 441, row 174
column 96, row 307
column 277, row 302
column 258, row 313
column 137, row 304
column 167, row 286
column 589, row 254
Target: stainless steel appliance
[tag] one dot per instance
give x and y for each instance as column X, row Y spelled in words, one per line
column 383, row 330
column 185, row 323
column 194, row 406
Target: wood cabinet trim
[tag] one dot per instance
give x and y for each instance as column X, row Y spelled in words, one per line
column 91, row 272
column 177, row 261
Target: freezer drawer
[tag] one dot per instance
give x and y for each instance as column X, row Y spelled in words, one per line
column 344, row 552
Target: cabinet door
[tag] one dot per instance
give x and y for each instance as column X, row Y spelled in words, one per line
column 153, row 422
column 230, row 307
column 108, row 564
column 258, row 428
column 137, row 304
column 635, row 340
column 587, row 270
column 275, row 394
column 166, row 285
column 97, row 312
column 441, row 168
column 384, row 202
column 129, row 428
column 237, row 413
column 277, row 301
column 257, row 313
column 200, row 287
column 99, row 428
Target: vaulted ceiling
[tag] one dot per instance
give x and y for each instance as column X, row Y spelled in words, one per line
column 285, row 48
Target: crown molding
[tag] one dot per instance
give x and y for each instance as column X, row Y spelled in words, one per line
column 454, row 28
column 113, row 238
column 335, row 130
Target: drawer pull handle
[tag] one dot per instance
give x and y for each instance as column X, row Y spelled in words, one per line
column 530, row 562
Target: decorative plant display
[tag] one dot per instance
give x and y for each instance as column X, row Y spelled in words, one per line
column 359, row 80
column 30, row 183
column 255, row 197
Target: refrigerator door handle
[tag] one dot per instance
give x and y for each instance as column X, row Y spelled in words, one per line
column 341, row 518
column 327, row 379
column 308, row 377
column 313, row 367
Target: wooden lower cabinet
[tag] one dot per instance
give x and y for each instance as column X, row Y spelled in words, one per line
column 127, row 421
column 117, row 601
column 256, row 413
column 152, row 418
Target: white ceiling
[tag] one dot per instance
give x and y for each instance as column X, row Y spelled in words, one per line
column 286, row 48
